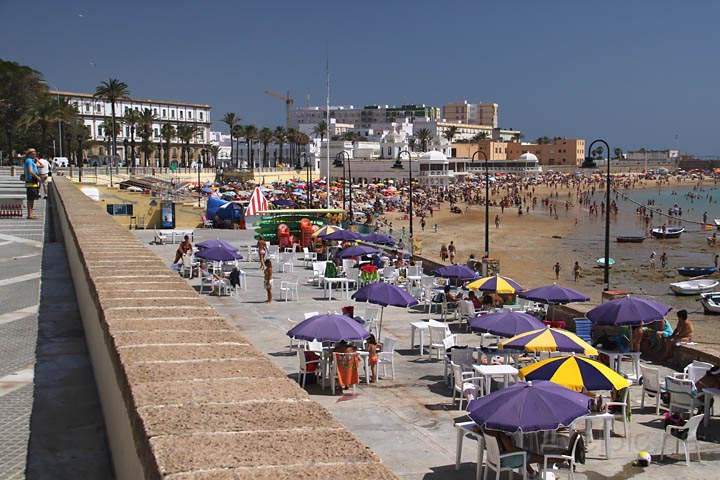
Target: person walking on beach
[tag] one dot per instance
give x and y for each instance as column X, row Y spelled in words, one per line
column 576, row 271
column 267, row 279
column 443, row 253
column 717, row 260
column 451, row 251
column 663, row 260
column 556, row 269
column 497, row 221
column 652, row 259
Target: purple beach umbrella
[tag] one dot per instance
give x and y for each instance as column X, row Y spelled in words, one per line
column 384, row 294
column 215, row 243
column 357, row 251
column 457, row 272
column 218, row 254
column 632, row 311
column 505, row 324
column 554, row 294
column 330, row 327
column 342, row 235
column 378, row 238
column 529, row 407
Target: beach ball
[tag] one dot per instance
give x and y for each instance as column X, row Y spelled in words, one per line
column 644, row 459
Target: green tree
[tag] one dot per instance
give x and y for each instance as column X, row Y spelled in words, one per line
column 186, row 134
column 112, row 90
column 236, row 135
column 231, row 120
column 214, row 153
column 145, row 131
column 42, row 114
column 132, row 119
column 167, row 133
column 20, row 88
column 250, row 133
column 321, row 130
column 424, row 136
column 450, row 133
column 618, row 153
column 280, row 135
column 265, row 136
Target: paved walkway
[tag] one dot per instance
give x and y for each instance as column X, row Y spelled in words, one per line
column 51, row 424
column 408, row 421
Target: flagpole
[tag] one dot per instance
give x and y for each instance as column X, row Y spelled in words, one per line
column 327, row 123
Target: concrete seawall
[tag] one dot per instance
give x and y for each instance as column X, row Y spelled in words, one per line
column 184, row 395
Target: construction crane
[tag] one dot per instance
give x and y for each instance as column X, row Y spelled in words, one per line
column 288, row 103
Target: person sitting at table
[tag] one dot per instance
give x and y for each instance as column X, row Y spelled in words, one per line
column 477, row 303
column 505, row 443
column 449, row 297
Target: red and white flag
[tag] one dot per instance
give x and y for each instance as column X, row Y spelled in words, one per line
column 258, row 203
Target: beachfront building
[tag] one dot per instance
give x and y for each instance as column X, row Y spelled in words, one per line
column 559, row 151
column 96, row 114
column 471, row 113
column 363, row 117
column 653, row 156
column 272, row 156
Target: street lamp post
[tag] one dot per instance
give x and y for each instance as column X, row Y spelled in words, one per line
column 606, row 270
column 340, row 162
column 487, row 201
column 398, row 165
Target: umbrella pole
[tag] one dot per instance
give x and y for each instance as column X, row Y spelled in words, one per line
column 382, row 310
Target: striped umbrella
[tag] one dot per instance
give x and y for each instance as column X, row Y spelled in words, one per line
column 327, row 229
column 258, row 203
column 496, row 284
column 549, row 340
column 576, row 373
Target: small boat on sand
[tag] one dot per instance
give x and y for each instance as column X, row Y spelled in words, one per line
column 667, row 232
column 710, row 302
column 630, row 238
column 717, row 223
column 601, row 262
column 696, row 271
column 694, row 287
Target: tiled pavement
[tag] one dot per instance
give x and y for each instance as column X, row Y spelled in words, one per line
column 51, row 424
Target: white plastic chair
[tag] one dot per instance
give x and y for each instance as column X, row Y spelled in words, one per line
column 310, row 314
column 308, row 257
column 460, row 356
column 286, row 262
column 466, row 386
column 303, row 367
column 651, row 386
column 696, row 370
column 187, row 266
column 682, row 395
column 691, row 427
column 567, row 456
column 466, row 310
column 437, row 340
column 508, row 462
column 387, row 357
column 206, row 282
column 622, row 415
column 347, row 264
column 319, row 272
column 353, row 276
column 289, row 290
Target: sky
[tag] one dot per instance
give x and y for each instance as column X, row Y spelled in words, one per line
column 637, row 73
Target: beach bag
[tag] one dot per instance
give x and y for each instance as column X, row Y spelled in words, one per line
column 676, row 420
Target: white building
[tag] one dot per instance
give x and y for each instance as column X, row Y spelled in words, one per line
column 95, row 112
column 362, row 117
column 653, row 156
column 471, row 113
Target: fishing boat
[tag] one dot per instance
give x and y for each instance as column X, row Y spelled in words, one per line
column 696, row 271
column 717, row 223
column 667, row 232
column 693, row 287
column 710, row 302
column 601, row 262
column 630, row 238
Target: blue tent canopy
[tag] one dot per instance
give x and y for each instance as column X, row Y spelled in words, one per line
column 224, row 210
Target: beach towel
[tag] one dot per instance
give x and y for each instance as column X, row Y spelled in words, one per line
column 347, row 366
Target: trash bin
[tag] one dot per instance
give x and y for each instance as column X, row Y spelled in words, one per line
column 349, row 311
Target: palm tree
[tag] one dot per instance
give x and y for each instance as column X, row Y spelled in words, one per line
column 214, row 152
column 320, row 130
column 65, row 113
column 236, row 134
column 424, row 136
column 167, row 133
column 618, row 152
column 250, row 132
column 265, row 135
column 42, row 114
column 20, row 89
column 280, row 137
column 131, row 119
column 230, row 119
column 145, row 132
column 186, row 133
column 450, row 133
column 112, row 90
column 292, row 137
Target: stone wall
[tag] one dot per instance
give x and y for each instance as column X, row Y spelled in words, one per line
column 184, row 395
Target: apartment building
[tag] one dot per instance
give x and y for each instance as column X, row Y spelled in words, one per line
column 471, row 113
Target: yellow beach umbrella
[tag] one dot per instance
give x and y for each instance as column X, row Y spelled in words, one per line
column 576, row 373
column 497, row 284
column 549, row 340
column 327, row 229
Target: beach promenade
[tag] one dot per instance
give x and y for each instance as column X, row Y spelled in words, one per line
column 408, row 421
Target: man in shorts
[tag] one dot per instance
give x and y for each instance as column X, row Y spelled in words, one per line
column 43, row 167
column 32, row 181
